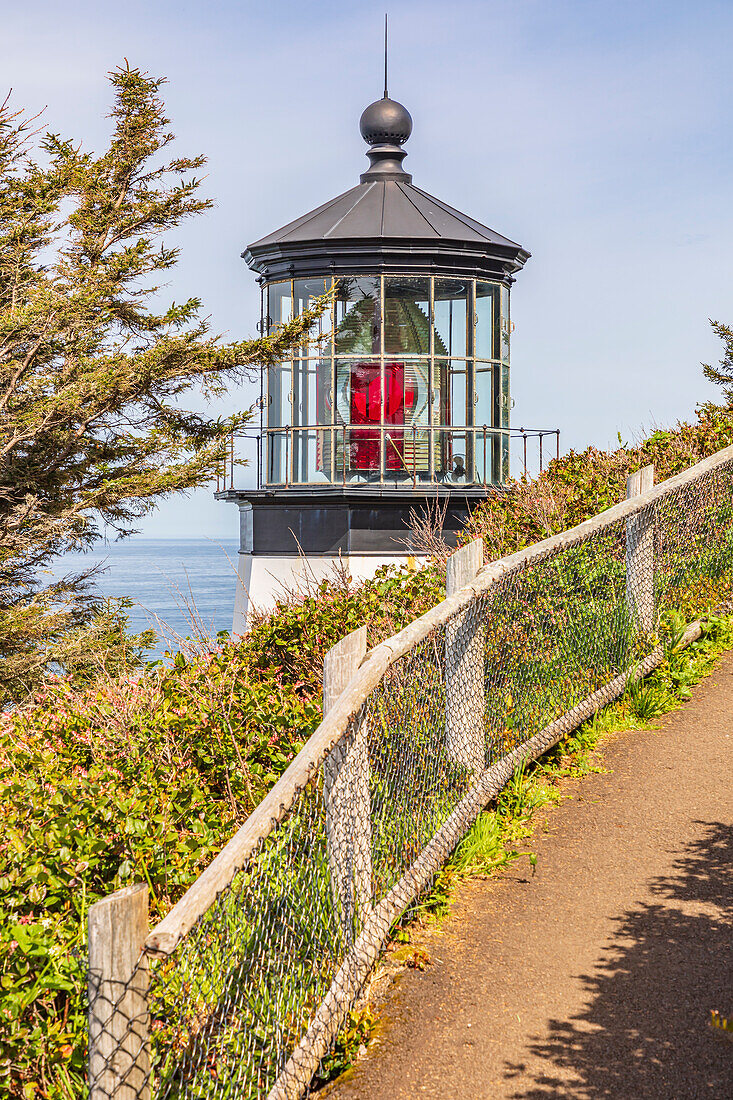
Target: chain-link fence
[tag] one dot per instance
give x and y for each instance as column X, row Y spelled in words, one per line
column 242, row 988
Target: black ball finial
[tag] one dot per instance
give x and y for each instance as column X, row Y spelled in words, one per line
column 385, row 122
column 386, row 125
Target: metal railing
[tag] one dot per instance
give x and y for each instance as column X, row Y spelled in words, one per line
column 417, row 454
column 242, row 988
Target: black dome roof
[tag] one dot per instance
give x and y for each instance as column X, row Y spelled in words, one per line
column 385, row 223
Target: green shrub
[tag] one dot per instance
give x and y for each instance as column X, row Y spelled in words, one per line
column 145, row 778
column 582, row 483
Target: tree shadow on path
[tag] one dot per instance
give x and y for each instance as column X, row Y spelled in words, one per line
column 646, row 1032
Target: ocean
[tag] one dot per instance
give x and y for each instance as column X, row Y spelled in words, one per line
column 162, row 577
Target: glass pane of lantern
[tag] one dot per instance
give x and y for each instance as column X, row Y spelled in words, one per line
column 455, row 458
column 449, row 411
column 312, row 407
column 279, row 395
column 279, row 305
column 451, row 316
column 406, row 316
column 506, row 325
column 311, row 456
column 505, row 397
column 440, row 396
column 300, row 391
column 484, row 397
column 277, row 457
column 299, row 461
column 306, row 291
column 312, row 392
column 324, row 392
column 483, row 448
column 351, row 377
column 407, row 416
column 452, row 377
column 443, row 451
column 504, row 459
column 414, row 394
column 487, row 320
column 358, row 316
column 319, row 456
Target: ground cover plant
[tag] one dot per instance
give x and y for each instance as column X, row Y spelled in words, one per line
column 144, row 777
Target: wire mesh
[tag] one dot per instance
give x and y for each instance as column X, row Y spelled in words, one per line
column 252, row 998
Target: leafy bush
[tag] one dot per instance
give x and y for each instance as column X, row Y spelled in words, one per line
column 581, row 484
column 144, row 778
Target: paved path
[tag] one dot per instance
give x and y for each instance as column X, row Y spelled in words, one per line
column 595, row 978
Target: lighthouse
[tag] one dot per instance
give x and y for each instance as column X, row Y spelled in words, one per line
column 402, row 408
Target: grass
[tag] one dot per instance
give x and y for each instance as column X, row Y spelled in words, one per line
column 494, row 840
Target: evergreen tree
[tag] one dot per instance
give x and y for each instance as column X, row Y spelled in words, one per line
column 92, row 376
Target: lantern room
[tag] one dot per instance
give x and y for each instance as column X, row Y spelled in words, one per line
column 401, row 406
column 410, row 382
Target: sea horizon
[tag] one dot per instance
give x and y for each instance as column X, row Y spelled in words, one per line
column 170, row 581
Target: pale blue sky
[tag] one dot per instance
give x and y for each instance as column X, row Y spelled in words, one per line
column 595, row 133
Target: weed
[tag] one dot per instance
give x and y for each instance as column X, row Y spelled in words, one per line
column 418, row 960
column 351, row 1040
column 650, row 699
column 721, row 1023
column 520, row 798
column 612, row 719
column 482, row 850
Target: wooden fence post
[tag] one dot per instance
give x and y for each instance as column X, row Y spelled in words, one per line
column 119, row 1049
column 640, row 554
column 465, row 637
column 346, row 794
